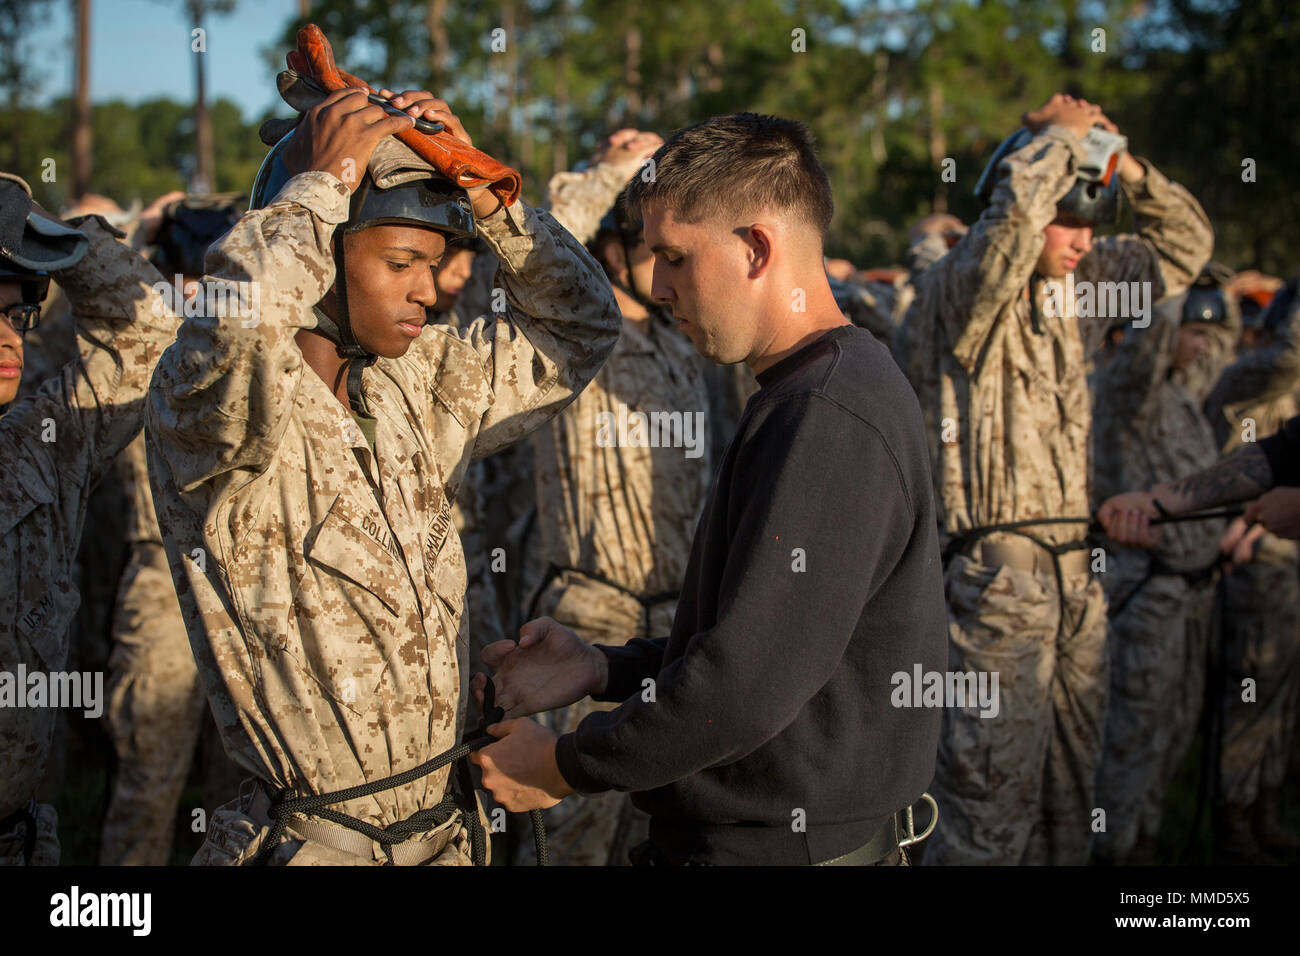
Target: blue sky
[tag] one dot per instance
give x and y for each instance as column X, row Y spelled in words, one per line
column 140, row 49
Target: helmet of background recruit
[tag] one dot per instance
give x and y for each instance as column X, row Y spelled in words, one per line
column 32, row 246
column 1097, row 201
column 618, row 224
column 1279, row 309
column 188, row 227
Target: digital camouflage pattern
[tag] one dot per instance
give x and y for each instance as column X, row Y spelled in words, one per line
column 1017, row 398
column 1016, row 788
column 1003, row 388
column 579, row 199
column 57, row 444
column 323, row 582
column 622, row 512
column 1261, row 640
column 155, row 703
column 1150, row 428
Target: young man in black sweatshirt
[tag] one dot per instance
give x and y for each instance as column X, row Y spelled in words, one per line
column 764, row 729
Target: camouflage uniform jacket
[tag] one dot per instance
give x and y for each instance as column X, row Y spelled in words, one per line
column 627, row 512
column 1005, row 383
column 1150, row 428
column 322, row 582
column 1252, row 399
column 56, row 445
column 580, row 199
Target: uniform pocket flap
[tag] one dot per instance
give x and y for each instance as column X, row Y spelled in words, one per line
column 358, row 546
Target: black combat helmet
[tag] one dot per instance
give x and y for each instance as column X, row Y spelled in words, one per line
column 1278, row 311
column 413, row 193
column 619, row 224
column 32, row 246
column 1094, row 197
column 1206, row 304
column 188, row 227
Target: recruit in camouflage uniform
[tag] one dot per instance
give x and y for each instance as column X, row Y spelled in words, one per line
column 879, row 306
column 494, row 510
column 616, row 521
column 1008, row 416
column 92, row 409
column 470, row 511
column 1149, row 427
column 1261, row 634
column 322, row 581
column 156, row 705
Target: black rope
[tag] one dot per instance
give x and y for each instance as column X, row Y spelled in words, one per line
column 648, row 601
column 1158, row 569
column 284, row 804
column 24, row 816
column 1211, row 719
column 962, row 542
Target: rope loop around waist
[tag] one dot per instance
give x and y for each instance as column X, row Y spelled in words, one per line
column 284, row 804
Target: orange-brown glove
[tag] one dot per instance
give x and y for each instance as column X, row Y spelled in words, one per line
column 464, row 165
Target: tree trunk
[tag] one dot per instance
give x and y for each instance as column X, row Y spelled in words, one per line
column 508, row 91
column 204, row 180
column 560, row 127
column 435, row 18
column 879, row 90
column 938, row 146
column 632, row 74
column 81, row 121
column 713, row 72
column 1071, row 57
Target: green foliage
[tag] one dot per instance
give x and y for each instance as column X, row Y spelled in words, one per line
column 141, row 151
column 890, row 89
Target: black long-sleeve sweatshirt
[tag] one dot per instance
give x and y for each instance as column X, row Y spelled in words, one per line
column 814, row 577
column 1282, row 449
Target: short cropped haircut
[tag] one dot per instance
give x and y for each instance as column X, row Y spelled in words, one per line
column 729, row 165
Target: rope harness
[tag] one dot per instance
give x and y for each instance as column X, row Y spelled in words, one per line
column 459, row 798
column 648, row 602
column 962, row 542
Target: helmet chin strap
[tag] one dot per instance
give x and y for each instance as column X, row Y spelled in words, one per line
column 630, row 286
column 355, row 358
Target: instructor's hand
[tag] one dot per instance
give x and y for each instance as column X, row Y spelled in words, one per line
column 1278, row 511
column 550, row 667
column 520, row 768
column 1239, row 542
